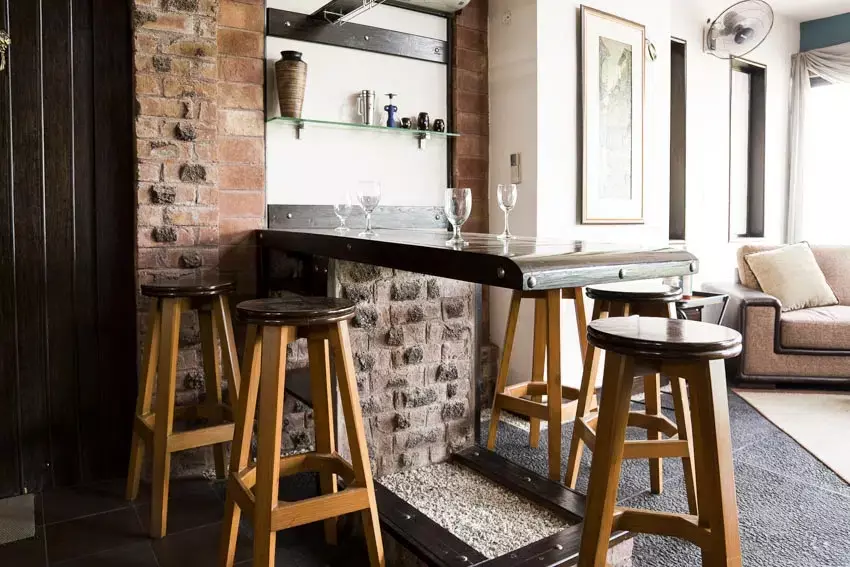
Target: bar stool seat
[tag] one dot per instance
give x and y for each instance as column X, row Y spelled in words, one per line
column 652, row 300
column 153, row 426
column 692, row 351
column 195, row 286
column 253, row 488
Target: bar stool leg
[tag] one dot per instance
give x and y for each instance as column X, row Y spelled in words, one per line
column 652, row 396
column 164, row 420
column 357, row 438
column 538, row 364
column 269, row 434
column 143, row 402
column 245, row 411
column 212, row 379
column 683, row 422
column 224, row 321
column 504, row 367
column 320, row 381
column 607, row 460
column 553, row 392
column 718, row 508
column 585, row 399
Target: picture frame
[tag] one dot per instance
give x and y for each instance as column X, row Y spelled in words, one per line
column 613, row 72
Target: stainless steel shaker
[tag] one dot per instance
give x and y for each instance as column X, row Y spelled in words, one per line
column 366, row 106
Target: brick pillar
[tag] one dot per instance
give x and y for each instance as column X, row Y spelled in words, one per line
column 200, row 148
column 472, row 109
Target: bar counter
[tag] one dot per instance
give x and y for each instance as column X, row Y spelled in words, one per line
column 522, row 263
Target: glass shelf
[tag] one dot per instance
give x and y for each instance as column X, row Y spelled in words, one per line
column 301, row 123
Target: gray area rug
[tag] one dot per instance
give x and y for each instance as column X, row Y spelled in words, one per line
column 794, row 511
column 17, row 518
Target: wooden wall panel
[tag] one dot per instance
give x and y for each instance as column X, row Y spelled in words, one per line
column 67, row 244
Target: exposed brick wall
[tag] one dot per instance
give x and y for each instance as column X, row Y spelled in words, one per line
column 199, row 74
column 472, row 110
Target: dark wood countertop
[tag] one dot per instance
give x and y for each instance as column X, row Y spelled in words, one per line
column 522, row 263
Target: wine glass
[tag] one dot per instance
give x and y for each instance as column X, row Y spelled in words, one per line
column 369, row 195
column 342, row 210
column 458, row 206
column 506, row 195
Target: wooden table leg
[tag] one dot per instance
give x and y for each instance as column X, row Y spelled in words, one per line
column 538, row 364
column 357, row 439
column 607, row 460
column 553, row 380
column 504, row 367
column 150, row 359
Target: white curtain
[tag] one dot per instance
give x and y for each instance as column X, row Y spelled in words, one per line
column 831, row 64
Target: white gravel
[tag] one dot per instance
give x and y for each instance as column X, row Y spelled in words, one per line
column 481, row 513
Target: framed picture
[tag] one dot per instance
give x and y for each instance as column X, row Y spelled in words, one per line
column 613, row 68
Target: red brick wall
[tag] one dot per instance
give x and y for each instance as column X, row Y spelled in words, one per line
column 471, row 109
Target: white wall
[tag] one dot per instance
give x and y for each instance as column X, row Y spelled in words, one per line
column 708, row 136
column 328, row 161
column 539, row 117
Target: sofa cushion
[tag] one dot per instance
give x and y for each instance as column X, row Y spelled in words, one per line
column 834, row 262
column 825, row 328
column 792, row 275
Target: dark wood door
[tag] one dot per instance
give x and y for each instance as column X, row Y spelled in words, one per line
column 67, row 313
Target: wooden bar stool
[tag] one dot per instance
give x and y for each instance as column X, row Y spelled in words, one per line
column 273, row 324
column 693, row 351
column 154, row 427
column 648, row 300
column 526, row 398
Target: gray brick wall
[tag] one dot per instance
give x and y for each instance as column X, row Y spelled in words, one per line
column 413, row 339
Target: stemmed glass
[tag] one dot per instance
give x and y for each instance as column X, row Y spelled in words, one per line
column 506, row 195
column 342, row 210
column 458, row 206
column 369, row 195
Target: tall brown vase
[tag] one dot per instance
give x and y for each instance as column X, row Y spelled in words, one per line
column 291, row 74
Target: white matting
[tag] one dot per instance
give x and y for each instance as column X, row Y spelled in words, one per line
column 819, row 421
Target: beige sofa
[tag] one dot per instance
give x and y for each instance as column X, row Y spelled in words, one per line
column 808, row 345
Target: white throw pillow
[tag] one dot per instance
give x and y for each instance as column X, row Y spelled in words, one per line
column 792, row 275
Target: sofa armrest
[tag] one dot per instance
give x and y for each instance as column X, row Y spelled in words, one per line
column 741, row 297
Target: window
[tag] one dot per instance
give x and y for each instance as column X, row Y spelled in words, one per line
column 746, row 149
column 678, row 138
column 827, row 188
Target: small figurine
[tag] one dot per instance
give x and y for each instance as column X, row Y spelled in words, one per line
column 406, row 123
column 439, row 125
column 391, row 110
column 424, row 122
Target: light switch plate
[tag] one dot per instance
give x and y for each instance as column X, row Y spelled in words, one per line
column 516, row 168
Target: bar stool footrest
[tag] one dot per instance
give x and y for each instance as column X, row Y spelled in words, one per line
column 183, row 440
column 672, row 447
column 683, row 526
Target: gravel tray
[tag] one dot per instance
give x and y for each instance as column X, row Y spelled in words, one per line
column 479, row 512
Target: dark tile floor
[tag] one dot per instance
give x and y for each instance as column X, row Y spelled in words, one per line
column 93, row 526
column 794, row 513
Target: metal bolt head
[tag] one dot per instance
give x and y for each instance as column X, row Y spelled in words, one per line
column 407, row 517
column 287, row 24
column 532, row 281
column 437, row 50
column 693, row 267
column 559, row 547
column 622, row 274
column 500, row 273
column 289, row 215
column 366, row 37
column 462, row 558
column 348, row 247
